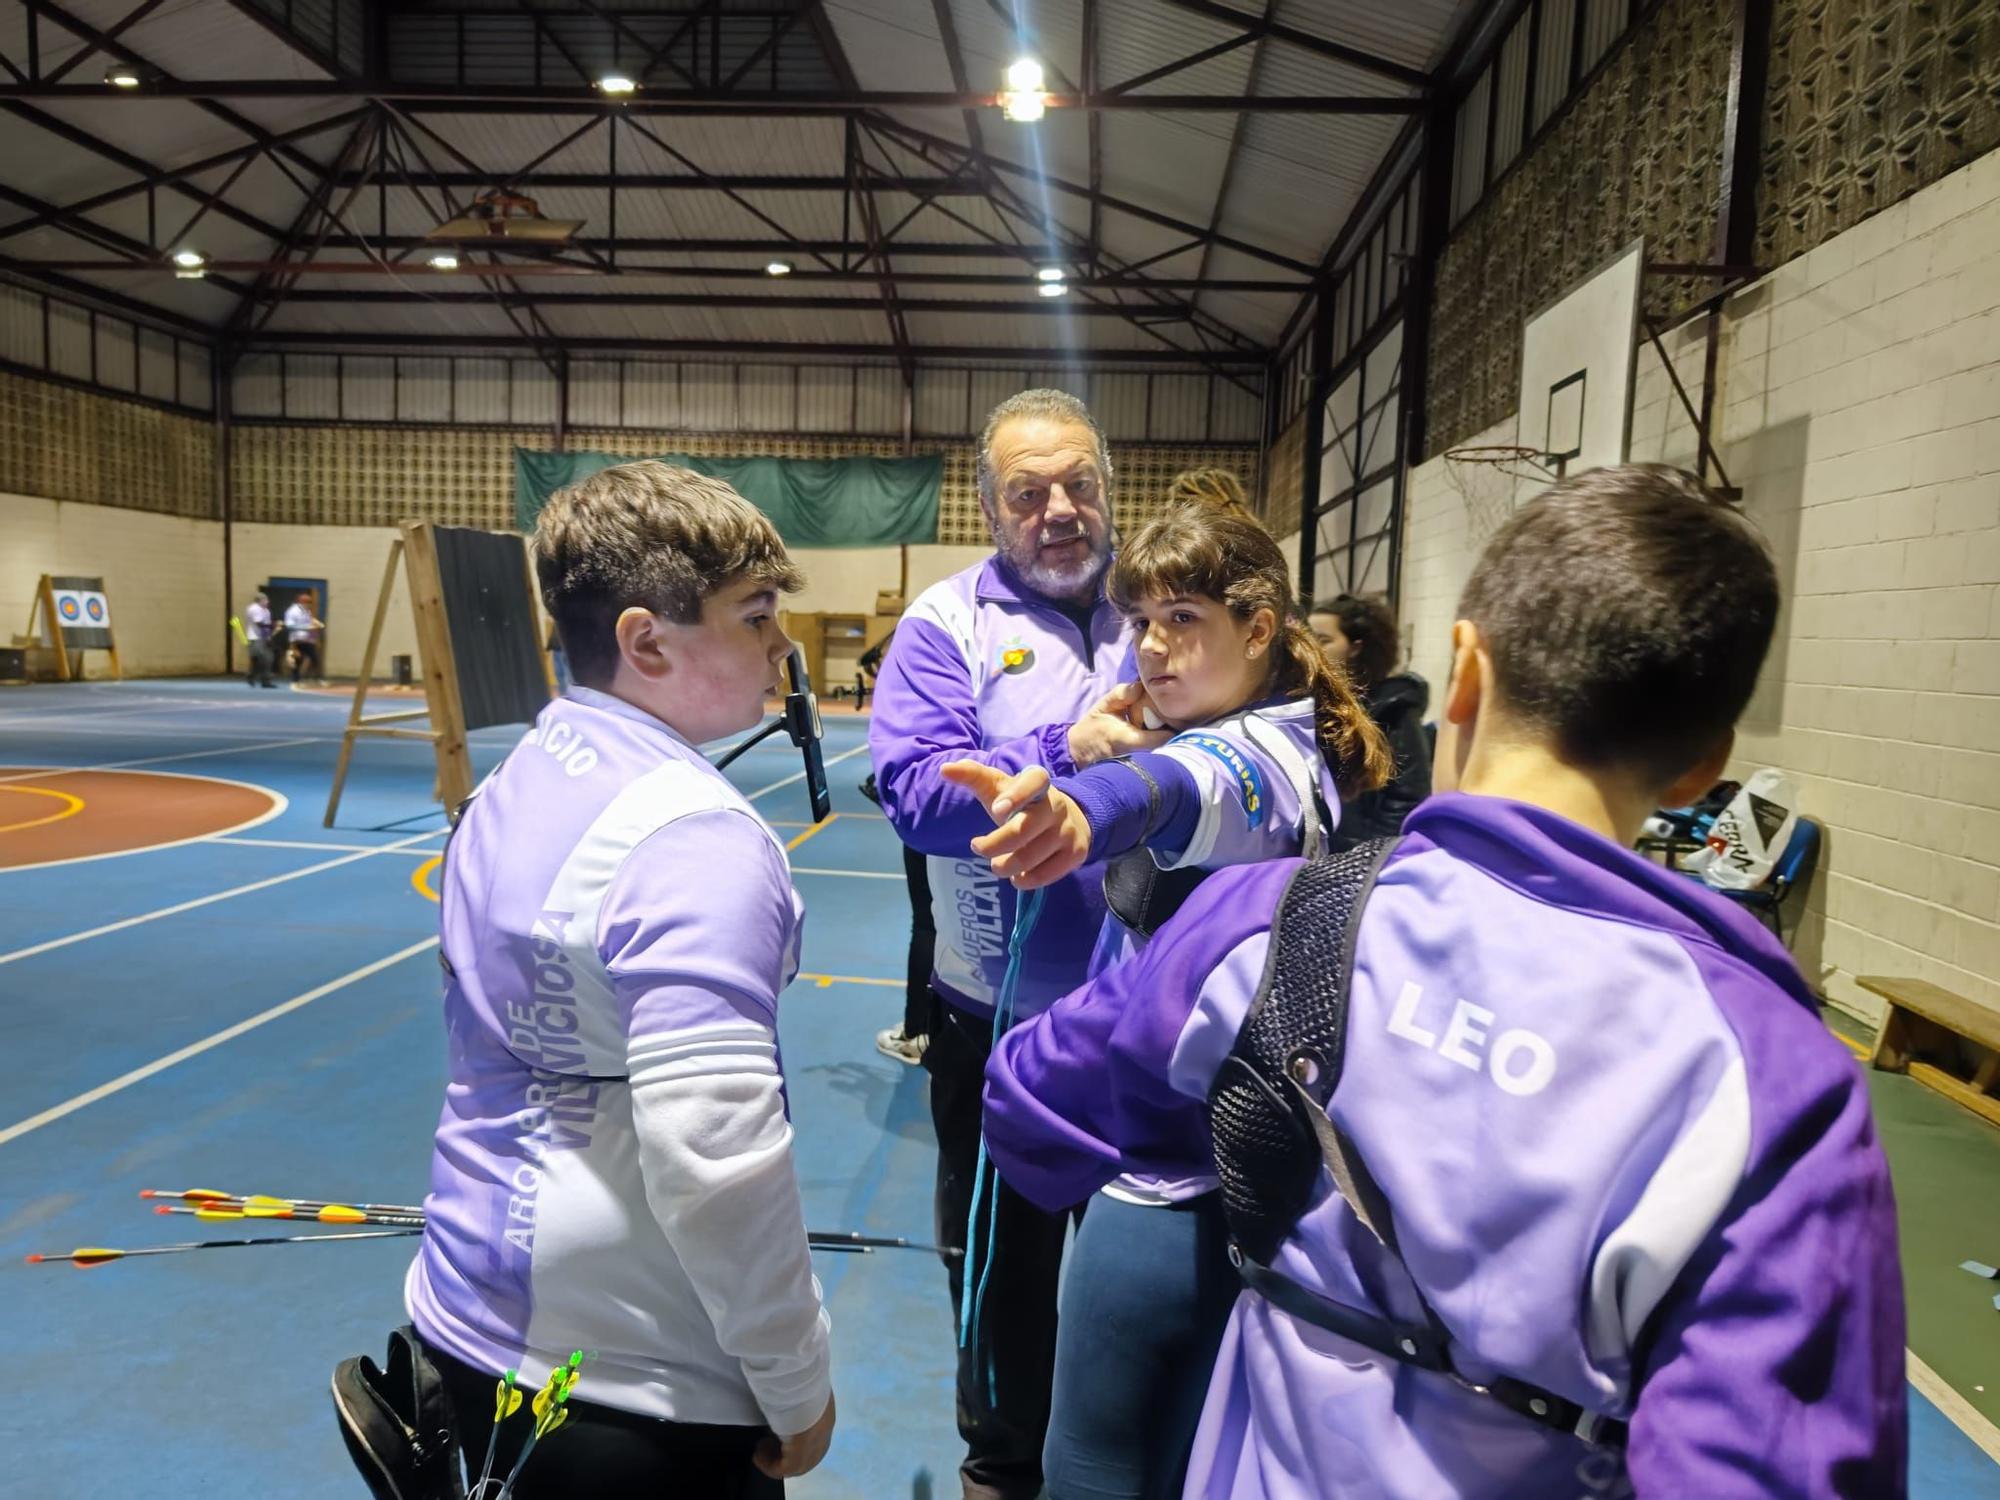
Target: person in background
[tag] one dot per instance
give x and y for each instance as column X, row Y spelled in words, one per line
column 303, row 625
column 907, row 1039
column 1218, row 489
column 1360, row 633
column 257, row 636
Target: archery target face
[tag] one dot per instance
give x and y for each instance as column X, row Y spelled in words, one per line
column 83, row 607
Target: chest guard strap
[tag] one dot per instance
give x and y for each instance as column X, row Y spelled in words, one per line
column 1272, row 1137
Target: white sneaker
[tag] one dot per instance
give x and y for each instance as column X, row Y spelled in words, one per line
column 905, row 1049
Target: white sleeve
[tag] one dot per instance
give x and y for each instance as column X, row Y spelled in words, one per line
column 715, row 1150
column 698, row 982
column 1252, row 792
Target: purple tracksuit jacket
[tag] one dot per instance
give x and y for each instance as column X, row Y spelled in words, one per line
column 1232, row 792
column 983, row 669
column 613, row 1166
column 1625, row 1159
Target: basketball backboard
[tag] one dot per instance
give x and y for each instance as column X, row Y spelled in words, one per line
column 1576, row 368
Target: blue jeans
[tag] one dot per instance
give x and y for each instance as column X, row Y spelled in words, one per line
column 1144, row 1300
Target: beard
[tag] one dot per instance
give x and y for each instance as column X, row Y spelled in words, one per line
column 1068, row 579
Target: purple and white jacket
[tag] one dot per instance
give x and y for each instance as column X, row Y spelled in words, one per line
column 1626, row 1161
column 1232, row 792
column 613, row 1169
column 984, row 669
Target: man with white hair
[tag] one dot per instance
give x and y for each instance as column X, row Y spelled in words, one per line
column 1018, row 661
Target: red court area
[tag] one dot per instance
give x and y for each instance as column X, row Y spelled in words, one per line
column 49, row 814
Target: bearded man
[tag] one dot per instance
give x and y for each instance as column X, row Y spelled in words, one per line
column 1018, row 661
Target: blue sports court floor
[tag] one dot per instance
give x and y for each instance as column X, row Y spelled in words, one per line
column 258, row 1011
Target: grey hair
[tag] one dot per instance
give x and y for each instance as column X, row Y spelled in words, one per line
column 1055, row 406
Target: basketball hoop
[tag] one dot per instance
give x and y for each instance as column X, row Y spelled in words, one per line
column 1488, row 476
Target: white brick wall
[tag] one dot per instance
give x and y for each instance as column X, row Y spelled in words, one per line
column 163, row 575
column 1859, row 394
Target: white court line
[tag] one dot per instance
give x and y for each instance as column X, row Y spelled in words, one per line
column 195, row 1049
column 148, row 732
column 210, row 900
column 165, row 709
column 216, row 838
column 45, row 773
column 848, row 874
column 1961, row 1413
column 801, row 775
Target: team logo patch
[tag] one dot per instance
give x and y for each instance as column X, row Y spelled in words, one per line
column 68, row 607
column 1242, row 770
column 1016, row 656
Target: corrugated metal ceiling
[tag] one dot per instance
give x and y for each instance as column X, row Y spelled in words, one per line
column 1291, row 179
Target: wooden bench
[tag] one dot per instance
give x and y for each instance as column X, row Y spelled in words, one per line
column 1944, row 1041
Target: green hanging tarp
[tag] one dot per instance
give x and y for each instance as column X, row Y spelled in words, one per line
column 814, row 502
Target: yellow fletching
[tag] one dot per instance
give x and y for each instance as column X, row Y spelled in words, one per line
column 514, row 1400
column 340, row 1213
column 234, row 1215
column 550, row 1420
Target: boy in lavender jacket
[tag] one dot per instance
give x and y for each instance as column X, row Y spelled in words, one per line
column 613, row 1169
column 1596, row 1140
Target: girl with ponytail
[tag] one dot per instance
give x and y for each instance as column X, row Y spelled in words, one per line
column 1270, row 741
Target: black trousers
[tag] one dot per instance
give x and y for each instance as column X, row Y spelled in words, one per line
column 260, row 663
column 603, row 1452
column 302, row 653
column 1005, row 1374
column 918, row 999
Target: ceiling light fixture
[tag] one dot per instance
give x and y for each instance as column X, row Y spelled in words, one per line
column 1022, row 100
column 1053, row 288
column 190, row 265
column 616, row 83
column 778, row 268
column 124, row 76
column 444, row 262
column 1050, row 273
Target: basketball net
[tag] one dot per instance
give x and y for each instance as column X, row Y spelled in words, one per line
column 1487, row 479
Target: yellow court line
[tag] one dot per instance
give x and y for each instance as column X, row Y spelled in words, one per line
column 75, row 806
column 810, row 832
column 1851, row 1045
column 825, row 981
column 420, row 877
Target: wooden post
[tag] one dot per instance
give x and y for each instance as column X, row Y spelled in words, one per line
column 535, row 604
column 354, row 719
column 55, row 628
column 454, row 762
